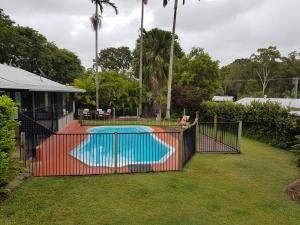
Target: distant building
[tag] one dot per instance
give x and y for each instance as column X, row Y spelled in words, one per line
column 295, row 113
column 285, row 102
column 223, row 99
column 45, row 101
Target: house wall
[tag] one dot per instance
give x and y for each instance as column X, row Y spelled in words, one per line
column 52, row 110
column 65, row 120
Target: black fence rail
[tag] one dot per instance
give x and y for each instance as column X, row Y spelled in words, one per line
column 220, row 136
column 103, row 153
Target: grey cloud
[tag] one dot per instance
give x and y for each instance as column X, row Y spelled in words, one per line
column 225, row 28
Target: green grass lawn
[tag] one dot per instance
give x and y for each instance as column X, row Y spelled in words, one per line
column 212, row 189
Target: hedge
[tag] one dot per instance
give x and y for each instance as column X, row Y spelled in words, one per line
column 8, row 110
column 268, row 122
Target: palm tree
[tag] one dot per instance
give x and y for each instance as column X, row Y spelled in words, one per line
column 170, row 77
column 156, row 50
column 144, row 2
column 96, row 21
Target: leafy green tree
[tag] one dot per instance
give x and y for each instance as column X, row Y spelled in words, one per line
column 115, row 91
column 265, row 63
column 199, row 70
column 290, row 69
column 234, row 76
column 67, row 66
column 187, row 97
column 296, row 149
column 117, row 59
column 26, row 48
column 86, row 82
column 251, row 88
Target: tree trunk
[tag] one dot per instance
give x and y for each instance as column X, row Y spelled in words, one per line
column 96, row 63
column 263, row 90
column 141, row 61
column 170, row 78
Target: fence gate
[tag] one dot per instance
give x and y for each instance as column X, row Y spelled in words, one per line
column 220, row 136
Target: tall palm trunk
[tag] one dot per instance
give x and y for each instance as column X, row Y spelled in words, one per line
column 141, row 61
column 168, row 114
column 96, row 62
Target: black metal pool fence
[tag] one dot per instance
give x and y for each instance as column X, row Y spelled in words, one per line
column 220, row 136
column 46, row 153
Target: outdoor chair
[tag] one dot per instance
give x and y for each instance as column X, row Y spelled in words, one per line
column 86, row 114
column 99, row 114
column 108, row 113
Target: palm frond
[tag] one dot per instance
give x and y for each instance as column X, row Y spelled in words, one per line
column 165, row 2
column 108, row 3
column 96, row 21
column 100, row 3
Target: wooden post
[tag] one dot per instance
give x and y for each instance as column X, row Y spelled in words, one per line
column 116, row 151
column 197, row 144
column 180, row 151
column 215, row 132
column 216, row 127
column 80, row 119
column 240, row 134
column 22, row 147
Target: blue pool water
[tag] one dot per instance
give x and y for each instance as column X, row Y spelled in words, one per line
column 134, row 145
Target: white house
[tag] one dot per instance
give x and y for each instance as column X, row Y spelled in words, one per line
column 44, row 100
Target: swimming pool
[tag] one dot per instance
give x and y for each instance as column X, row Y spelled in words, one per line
column 118, row 146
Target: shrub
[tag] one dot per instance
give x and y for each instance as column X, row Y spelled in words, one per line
column 8, row 110
column 268, row 122
column 296, row 149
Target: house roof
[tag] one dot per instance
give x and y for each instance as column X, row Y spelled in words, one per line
column 285, row 102
column 223, row 98
column 16, row 78
column 295, row 113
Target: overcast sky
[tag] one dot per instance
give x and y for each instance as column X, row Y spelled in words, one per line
column 227, row 29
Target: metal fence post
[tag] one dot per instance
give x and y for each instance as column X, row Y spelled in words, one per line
column 116, row 151
column 22, row 148
column 180, row 151
column 240, row 134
